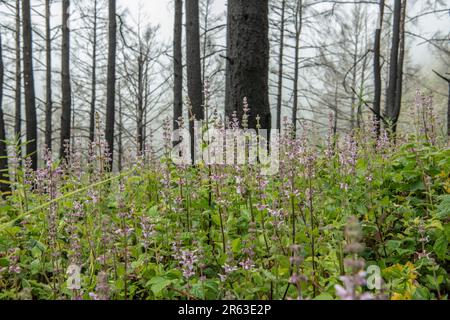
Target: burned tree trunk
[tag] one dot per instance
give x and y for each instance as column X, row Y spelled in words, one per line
column 93, row 77
column 448, row 109
column 377, row 69
column 4, row 186
column 18, row 93
column 280, row 65
column 111, row 81
column 194, row 73
column 140, row 104
column 66, row 90
column 248, row 54
column 393, row 71
column 447, row 79
column 401, row 59
column 298, row 31
column 30, row 95
column 48, row 78
column 120, row 138
column 177, row 64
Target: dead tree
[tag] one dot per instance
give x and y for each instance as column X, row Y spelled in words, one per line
column 66, row 108
column 377, row 68
column 111, row 79
column 248, row 60
column 48, row 78
column 392, row 90
column 93, row 75
column 4, row 177
column 194, row 74
column 177, row 64
column 280, row 65
column 30, row 95
column 18, row 91
column 447, row 79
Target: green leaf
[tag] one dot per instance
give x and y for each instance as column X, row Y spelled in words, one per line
column 4, row 262
column 153, row 212
column 324, row 296
column 421, row 294
column 440, row 246
column 158, row 284
column 35, row 266
column 36, row 252
column 197, row 290
column 434, row 282
column 443, row 209
column 236, row 245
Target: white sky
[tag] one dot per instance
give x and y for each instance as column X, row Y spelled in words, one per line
column 161, row 12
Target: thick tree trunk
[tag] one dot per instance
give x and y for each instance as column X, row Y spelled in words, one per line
column 93, row 77
column 30, row 96
column 111, row 81
column 298, row 31
column 393, row 71
column 178, row 64
column 377, row 69
column 194, row 76
column 401, row 59
column 48, row 78
column 280, row 65
column 66, row 90
column 18, row 93
column 248, row 54
column 4, row 187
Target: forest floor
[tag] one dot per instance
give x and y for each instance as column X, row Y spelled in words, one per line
column 350, row 218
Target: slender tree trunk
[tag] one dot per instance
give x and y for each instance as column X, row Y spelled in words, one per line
column 377, row 69
column 248, row 52
column 94, row 77
column 4, row 187
column 335, row 110
column 178, row 64
column 359, row 115
column 111, row 82
column 145, row 110
column 48, row 78
column 401, row 59
column 72, row 135
column 205, row 39
column 298, row 31
column 30, row 96
column 448, row 100
column 353, row 98
column 194, row 76
column 280, row 65
column 66, row 90
column 18, row 93
column 448, row 110
column 393, row 71
column 140, row 105
column 120, row 138
column 229, row 109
